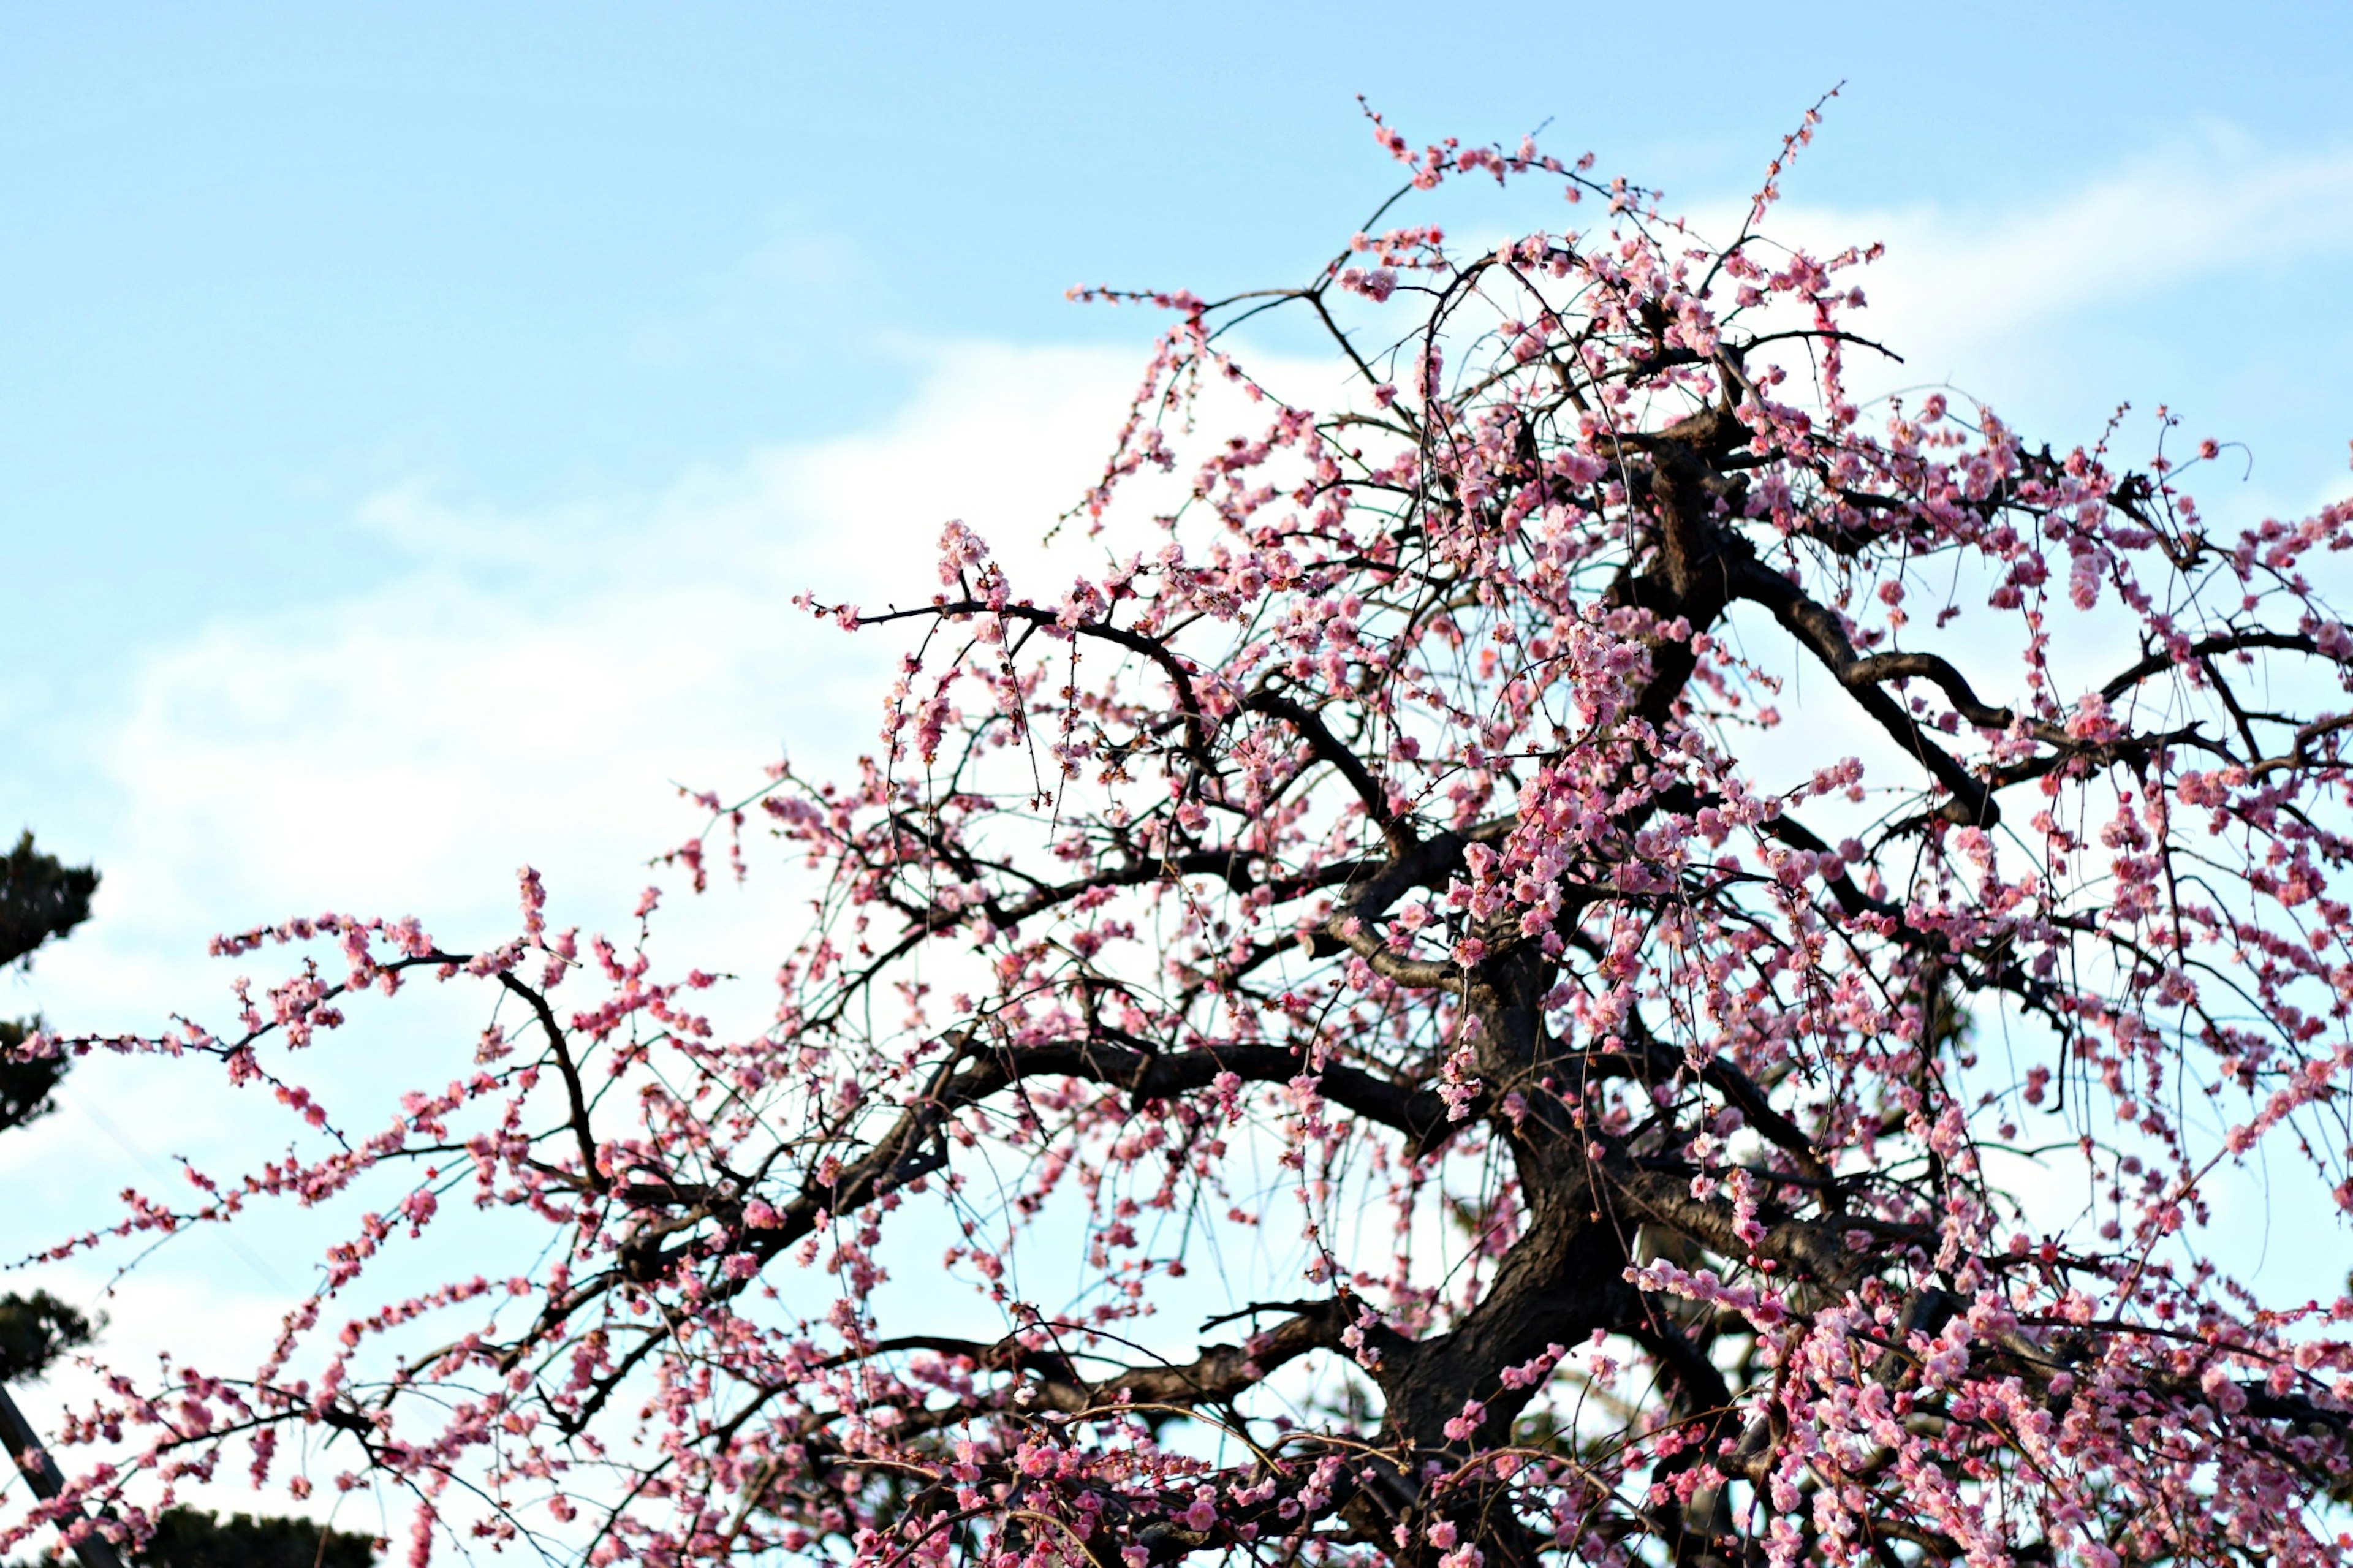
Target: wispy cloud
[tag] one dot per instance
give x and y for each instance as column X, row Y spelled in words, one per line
column 792, row 302
column 527, row 689
column 2195, row 276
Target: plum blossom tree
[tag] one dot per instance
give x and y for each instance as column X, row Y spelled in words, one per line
column 1382, row 905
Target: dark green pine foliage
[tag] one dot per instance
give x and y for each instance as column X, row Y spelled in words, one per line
column 34, row 1331
column 186, row 1538
column 23, row 1085
column 40, row 898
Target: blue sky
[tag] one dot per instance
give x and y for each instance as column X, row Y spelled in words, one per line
column 261, row 261
column 414, row 419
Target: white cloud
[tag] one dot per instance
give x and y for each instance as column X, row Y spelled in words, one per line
column 795, row 298
column 2190, row 278
column 2216, row 213
column 527, row 691
column 532, row 687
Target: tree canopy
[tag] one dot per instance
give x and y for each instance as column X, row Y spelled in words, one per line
column 1670, row 954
